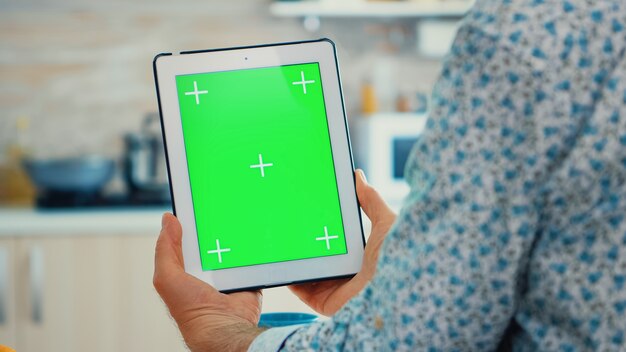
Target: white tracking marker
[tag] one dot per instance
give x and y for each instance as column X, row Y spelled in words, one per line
column 261, row 166
column 197, row 92
column 219, row 250
column 303, row 82
column 326, row 238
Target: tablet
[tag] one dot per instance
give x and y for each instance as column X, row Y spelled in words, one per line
column 260, row 165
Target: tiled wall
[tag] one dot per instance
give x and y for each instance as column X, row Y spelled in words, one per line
column 80, row 70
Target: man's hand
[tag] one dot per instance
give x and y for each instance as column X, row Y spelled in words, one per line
column 326, row 297
column 207, row 319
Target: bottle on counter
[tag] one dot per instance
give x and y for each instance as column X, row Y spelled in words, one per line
column 15, row 186
column 369, row 102
column 403, row 103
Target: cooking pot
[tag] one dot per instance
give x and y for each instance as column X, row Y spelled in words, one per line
column 145, row 169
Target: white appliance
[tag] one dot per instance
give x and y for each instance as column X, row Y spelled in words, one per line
column 382, row 144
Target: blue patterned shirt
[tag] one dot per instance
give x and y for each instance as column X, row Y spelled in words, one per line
column 513, row 235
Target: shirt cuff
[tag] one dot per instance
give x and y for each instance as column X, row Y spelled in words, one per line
column 272, row 339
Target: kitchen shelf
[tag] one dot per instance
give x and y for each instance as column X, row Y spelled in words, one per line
column 371, row 9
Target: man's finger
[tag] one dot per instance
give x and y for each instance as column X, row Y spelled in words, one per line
column 371, row 202
column 168, row 257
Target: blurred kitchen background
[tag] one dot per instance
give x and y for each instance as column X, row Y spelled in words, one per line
column 82, row 174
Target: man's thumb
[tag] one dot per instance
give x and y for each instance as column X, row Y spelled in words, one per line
column 371, row 202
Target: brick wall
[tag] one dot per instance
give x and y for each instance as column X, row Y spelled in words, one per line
column 80, row 70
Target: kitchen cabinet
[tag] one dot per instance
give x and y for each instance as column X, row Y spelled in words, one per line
column 7, row 292
column 85, row 293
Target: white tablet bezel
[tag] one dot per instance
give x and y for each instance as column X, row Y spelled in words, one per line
column 167, row 67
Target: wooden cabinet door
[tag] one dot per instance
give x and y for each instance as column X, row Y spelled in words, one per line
column 68, row 294
column 90, row 293
column 7, row 293
column 147, row 324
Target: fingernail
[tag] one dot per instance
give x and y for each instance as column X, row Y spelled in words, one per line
column 362, row 174
column 163, row 220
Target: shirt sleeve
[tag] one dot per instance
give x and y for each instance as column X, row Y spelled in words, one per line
column 272, row 339
column 453, row 268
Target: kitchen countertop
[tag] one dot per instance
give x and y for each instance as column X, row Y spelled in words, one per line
column 92, row 222
column 28, row 222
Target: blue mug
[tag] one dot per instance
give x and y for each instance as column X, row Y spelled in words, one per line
column 274, row 320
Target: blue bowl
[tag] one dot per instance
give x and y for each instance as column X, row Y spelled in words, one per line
column 274, row 320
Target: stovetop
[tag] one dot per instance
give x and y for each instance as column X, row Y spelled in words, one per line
column 72, row 200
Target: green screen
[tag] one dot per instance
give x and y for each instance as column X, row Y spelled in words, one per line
column 260, row 166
